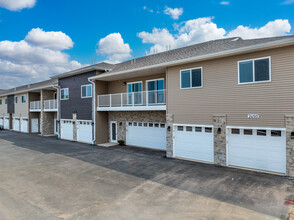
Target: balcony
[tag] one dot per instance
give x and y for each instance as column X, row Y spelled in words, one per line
column 50, row 105
column 133, row 101
column 35, row 106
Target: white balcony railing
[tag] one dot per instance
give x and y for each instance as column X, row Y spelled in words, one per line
column 35, row 106
column 145, row 100
column 50, row 105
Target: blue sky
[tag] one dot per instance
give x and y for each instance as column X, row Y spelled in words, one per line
column 40, row 38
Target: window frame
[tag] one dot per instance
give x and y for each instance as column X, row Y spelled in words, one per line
column 1, row 101
column 194, row 68
column 60, row 94
column 142, row 90
column 15, row 99
column 253, row 67
column 86, row 97
column 25, row 99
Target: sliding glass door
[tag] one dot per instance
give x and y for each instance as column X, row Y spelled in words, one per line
column 155, row 91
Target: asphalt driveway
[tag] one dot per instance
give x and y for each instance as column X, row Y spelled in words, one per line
column 46, row 178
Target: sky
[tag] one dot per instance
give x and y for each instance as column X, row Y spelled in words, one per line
column 42, row 38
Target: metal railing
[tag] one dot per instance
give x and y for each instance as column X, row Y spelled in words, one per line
column 132, row 99
column 50, row 104
column 36, row 105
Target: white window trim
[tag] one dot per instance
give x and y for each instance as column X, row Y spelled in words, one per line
column 253, row 66
column 134, row 83
column 85, row 97
column 68, row 93
column 151, row 80
column 15, row 99
column 22, row 98
column 142, row 89
column 195, row 68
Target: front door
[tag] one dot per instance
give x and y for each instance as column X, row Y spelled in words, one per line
column 113, row 133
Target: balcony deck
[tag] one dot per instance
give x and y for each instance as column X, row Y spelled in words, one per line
column 134, row 101
column 50, row 105
column 35, row 106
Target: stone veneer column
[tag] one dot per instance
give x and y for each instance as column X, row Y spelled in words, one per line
column 289, row 120
column 220, row 121
column 47, row 118
column 169, row 135
column 74, row 117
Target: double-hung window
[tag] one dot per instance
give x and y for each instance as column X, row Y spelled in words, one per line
column 191, row 78
column 0, row 101
column 23, row 98
column 155, row 91
column 86, row 91
column 6, row 101
column 64, row 94
column 135, row 93
column 255, row 70
column 15, row 99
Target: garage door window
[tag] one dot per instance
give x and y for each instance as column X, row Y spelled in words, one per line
column 235, row 131
column 276, row 133
column 247, row 131
column 208, row 130
column 180, row 128
column 261, row 132
column 188, row 128
column 198, row 129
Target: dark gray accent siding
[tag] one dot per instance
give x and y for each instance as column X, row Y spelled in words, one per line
column 10, row 104
column 75, row 104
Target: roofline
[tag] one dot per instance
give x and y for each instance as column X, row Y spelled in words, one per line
column 79, row 71
column 268, row 45
column 27, row 90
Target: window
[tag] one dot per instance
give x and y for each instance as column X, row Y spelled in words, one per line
column 247, row 131
column 15, row 99
column 191, row 78
column 87, row 91
column 255, row 70
column 0, row 101
column 198, row 129
column 235, row 131
column 208, row 130
column 23, row 98
column 261, row 132
column 64, row 94
column 180, row 128
column 276, row 133
column 189, row 128
column 6, row 101
column 155, row 91
column 135, row 93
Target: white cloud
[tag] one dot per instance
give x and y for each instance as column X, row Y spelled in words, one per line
column 22, row 62
column 17, row 5
column 175, row 13
column 114, row 48
column 224, row 2
column 148, row 9
column 204, row 29
column 288, row 2
column 51, row 40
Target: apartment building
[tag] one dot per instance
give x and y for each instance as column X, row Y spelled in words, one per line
column 30, row 108
column 222, row 102
column 76, row 99
column 225, row 102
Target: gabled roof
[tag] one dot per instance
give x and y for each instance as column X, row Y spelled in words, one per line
column 205, row 50
column 103, row 67
column 30, row 87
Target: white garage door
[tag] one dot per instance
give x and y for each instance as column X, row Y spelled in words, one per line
column 84, row 131
column 66, row 129
column 150, row 135
column 6, row 123
column 24, row 125
column 1, row 121
column 16, row 122
column 194, row 142
column 262, row 149
column 35, row 125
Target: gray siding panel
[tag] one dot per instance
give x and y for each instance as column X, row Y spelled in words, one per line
column 75, row 104
column 10, row 104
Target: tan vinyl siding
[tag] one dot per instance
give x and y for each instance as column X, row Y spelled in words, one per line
column 120, row 87
column 3, row 107
column 21, row 109
column 221, row 92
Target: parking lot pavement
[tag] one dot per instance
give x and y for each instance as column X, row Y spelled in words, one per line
column 46, row 178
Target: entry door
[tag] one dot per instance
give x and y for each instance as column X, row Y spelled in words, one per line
column 55, row 126
column 113, row 127
column 35, row 125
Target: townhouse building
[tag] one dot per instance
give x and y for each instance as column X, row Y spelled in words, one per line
column 76, row 99
column 222, row 102
column 30, row 108
column 225, row 102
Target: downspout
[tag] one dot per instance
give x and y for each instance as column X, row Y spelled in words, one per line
column 58, row 109
column 93, row 111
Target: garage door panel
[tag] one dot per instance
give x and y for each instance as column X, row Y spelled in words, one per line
column 257, row 152
column 6, row 123
column 150, row 135
column 66, row 129
column 16, row 124
column 84, row 131
column 24, row 125
column 192, row 144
